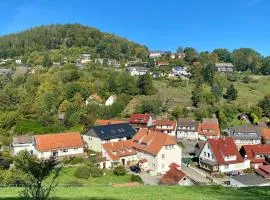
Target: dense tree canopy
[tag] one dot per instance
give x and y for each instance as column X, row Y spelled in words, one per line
column 223, row 55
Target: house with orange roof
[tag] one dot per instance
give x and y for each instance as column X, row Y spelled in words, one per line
column 208, row 128
column 158, row 150
column 102, row 122
column 58, row 145
column 222, row 155
column 257, row 154
column 94, row 98
column 120, row 153
column 165, row 126
column 141, row 120
column 176, row 177
column 265, row 133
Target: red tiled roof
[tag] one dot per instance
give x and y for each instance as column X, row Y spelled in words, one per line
column 174, row 165
column 258, row 149
column 116, row 150
column 152, row 141
column 172, row 177
column 139, row 118
column 103, row 122
column 224, row 147
column 265, row 133
column 264, row 171
column 95, row 97
column 57, row 141
column 165, row 123
column 143, row 161
column 209, row 129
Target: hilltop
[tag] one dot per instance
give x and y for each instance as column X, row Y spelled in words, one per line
column 56, row 37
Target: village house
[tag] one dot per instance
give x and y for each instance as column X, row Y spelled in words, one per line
column 198, row 148
column 155, row 54
column 246, row 134
column 110, row 101
column 59, row 145
column 102, row 122
column 265, row 134
column 181, row 55
column 137, row 71
column 157, row 151
column 22, row 143
column 180, row 71
column 141, row 120
column 162, row 63
column 94, row 98
column 187, row 129
column 176, row 177
column 258, row 154
column 208, row 128
column 6, row 72
column 94, row 137
column 120, row 153
column 114, row 63
column 85, row 58
column 165, row 126
column 224, row 67
column 264, row 171
column 221, row 155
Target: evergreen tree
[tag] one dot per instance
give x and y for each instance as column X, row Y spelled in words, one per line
column 231, row 93
column 145, row 84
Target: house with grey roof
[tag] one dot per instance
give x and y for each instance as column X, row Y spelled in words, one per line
column 4, row 71
column 248, row 180
column 94, row 137
column 22, row 143
column 246, row 134
column 224, row 67
column 187, row 129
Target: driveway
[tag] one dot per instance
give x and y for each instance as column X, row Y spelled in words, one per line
column 148, row 179
column 198, row 177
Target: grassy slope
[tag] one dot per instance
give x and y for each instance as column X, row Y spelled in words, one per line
column 248, row 93
column 151, row 192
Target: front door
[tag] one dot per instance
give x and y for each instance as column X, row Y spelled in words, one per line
column 123, row 161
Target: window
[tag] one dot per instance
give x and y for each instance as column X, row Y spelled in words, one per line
column 75, row 149
column 163, row 156
column 204, row 154
column 65, row 150
column 208, row 155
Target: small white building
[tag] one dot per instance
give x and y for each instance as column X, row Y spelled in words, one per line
column 180, row 71
column 158, row 150
column 110, row 101
column 18, row 62
column 137, row 71
column 59, row 145
column 22, row 143
column 187, row 129
column 165, row 126
column 85, row 58
column 221, row 155
column 155, row 54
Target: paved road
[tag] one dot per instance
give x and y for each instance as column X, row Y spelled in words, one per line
column 196, row 176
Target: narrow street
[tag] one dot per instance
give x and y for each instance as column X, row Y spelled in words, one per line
column 196, row 176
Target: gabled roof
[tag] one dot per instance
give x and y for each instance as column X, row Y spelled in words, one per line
column 56, row 141
column 250, row 180
column 95, row 97
column 111, row 131
column 245, row 132
column 224, row 147
column 265, row 133
column 102, row 122
column 116, row 150
column 139, row 118
column 198, row 148
column 24, row 139
column 259, row 149
column 172, row 177
column 165, row 123
column 208, row 129
column 151, row 141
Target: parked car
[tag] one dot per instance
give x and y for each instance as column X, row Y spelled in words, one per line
column 135, row 169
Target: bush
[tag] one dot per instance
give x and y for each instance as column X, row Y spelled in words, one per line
column 247, row 79
column 136, row 178
column 119, row 171
column 96, row 172
column 73, row 160
column 82, row 172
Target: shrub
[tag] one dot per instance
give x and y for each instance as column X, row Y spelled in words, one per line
column 73, row 160
column 96, row 172
column 136, row 178
column 247, row 79
column 119, row 171
column 82, row 172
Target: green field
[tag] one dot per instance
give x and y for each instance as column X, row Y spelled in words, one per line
column 151, row 193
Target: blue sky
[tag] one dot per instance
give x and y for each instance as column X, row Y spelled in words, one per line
column 161, row 25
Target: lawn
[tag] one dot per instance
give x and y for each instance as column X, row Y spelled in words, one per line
column 66, row 178
column 151, row 193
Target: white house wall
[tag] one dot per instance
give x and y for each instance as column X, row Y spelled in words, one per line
column 61, row 153
column 93, row 143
